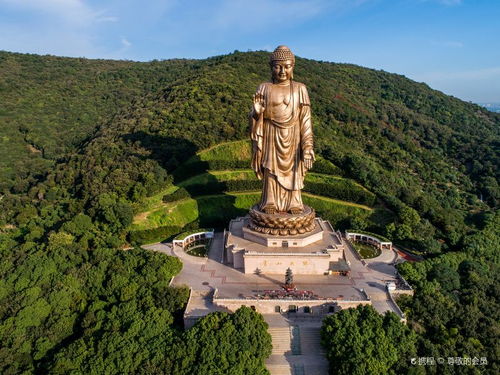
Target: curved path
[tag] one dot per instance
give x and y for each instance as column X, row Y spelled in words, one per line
column 371, row 275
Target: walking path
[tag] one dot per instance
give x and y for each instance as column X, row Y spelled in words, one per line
column 372, row 275
column 296, row 347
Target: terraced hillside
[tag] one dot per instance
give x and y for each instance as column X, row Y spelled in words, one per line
column 213, row 187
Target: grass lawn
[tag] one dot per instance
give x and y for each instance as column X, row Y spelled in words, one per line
column 366, row 251
column 153, row 201
column 249, row 175
column 235, row 150
column 217, row 210
column 219, row 176
column 176, row 213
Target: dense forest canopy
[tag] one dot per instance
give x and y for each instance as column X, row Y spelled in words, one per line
column 84, row 143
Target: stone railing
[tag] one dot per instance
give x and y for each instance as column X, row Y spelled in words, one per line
column 194, row 236
column 368, row 238
column 402, row 284
column 289, row 299
column 309, row 307
column 397, row 308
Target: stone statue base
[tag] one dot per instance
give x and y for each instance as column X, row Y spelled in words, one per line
column 277, row 240
column 283, row 224
column 306, row 254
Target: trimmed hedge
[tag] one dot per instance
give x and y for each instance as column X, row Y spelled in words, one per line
column 189, row 169
column 177, row 195
column 339, row 189
column 326, row 167
column 215, row 187
column 345, row 190
column 146, row 236
column 196, row 167
column 220, row 165
column 223, row 187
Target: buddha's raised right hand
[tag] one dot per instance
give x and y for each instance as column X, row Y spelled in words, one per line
column 258, row 104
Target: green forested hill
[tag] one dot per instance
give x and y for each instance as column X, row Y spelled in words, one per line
column 86, row 143
column 49, row 105
column 129, row 125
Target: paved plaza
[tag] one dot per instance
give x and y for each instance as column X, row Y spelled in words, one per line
column 204, row 275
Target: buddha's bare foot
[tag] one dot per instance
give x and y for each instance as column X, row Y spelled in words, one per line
column 269, row 209
column 296, row 210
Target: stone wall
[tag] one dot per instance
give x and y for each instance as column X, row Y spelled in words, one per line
column 301, row 264
column 398, row 292
column 314, row 307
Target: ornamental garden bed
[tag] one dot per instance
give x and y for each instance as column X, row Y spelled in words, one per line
column 366, row 251
column 199, row 248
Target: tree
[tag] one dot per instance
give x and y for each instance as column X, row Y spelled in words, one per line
column 361, row 341
column 288, row 276
column 222, row 343
column 448, row 278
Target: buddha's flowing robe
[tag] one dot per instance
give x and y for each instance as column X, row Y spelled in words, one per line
column 281, row 136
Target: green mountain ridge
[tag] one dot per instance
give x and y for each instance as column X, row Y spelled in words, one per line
column 45, row 108
column 410, row 145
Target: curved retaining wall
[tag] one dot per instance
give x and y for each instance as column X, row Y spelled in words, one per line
column 372, row 240
column 193, row 237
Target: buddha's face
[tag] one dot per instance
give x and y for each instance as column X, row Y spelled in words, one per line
column 282, row 71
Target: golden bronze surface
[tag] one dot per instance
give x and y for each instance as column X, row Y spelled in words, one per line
column 282, row 137
column 282, row 224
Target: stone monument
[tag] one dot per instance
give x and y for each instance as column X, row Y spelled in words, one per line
column 282, row 152
column 282, row 149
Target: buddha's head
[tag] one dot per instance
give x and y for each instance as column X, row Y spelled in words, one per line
column 282, row 62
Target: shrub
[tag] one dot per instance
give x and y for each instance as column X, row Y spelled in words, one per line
column 153, row 235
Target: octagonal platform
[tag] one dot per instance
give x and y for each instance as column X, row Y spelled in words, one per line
column 306, row 254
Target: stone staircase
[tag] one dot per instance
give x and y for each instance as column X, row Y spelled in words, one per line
column 310, row 341
column 296, row 351
column 277, row 368
column 281, row 340
column 313, row 355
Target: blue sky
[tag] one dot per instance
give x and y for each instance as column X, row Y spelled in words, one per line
column 452, row 45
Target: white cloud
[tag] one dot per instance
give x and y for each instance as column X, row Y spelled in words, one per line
column 71, row 12
column 125, row 43
column 106, row 19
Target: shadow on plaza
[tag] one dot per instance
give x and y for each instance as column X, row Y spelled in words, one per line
column 383, row 268
column 270, row 279
column 380, row 286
